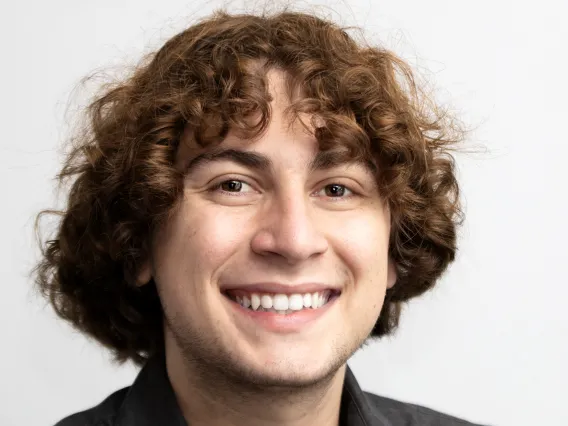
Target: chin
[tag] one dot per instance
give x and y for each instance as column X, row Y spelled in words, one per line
column 285, row 371
column 283, row 377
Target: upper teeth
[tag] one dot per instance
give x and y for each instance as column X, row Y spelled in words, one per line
column 283, row 302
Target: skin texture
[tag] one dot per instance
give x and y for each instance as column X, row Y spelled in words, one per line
column 283, row 225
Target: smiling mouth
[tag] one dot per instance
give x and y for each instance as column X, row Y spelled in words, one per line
column 284, row 304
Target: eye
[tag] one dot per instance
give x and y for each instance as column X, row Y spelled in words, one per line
column 336, row 190
column 234, row 186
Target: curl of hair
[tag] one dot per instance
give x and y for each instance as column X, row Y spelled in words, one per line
column 210, row 78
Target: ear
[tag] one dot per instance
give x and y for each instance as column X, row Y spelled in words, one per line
column 144, row 274
column 391, row 274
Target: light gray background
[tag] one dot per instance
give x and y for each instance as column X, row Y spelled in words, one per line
column 489, row 344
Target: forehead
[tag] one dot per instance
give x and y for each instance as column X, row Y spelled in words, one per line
column 289, row 135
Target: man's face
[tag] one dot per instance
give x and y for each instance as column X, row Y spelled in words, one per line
column 259, row 224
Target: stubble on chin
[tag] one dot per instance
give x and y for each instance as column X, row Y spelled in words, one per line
column 213, row 367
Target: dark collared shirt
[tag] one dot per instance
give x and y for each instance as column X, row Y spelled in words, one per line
column 150, row 401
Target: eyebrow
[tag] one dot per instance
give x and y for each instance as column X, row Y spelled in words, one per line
column 323, row 160
column 247, row 159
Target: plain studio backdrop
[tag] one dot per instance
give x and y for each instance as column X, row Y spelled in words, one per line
column 488, row 344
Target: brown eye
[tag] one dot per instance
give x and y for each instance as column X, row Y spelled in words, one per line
column 235, row 186
column 231, row 185
column 335, row 190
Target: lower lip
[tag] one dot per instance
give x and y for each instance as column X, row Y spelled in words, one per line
column 283, row 323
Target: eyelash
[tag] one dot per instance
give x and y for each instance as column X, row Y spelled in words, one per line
column 218, row 186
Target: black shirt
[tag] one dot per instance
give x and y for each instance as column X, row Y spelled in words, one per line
column 150, row 401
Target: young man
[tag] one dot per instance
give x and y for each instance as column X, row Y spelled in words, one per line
column 248, row 209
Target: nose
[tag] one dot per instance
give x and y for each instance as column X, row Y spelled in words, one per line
column 289, row 230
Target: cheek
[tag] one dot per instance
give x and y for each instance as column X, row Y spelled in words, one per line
column 362, row 242
column 217, row 235
column 189, row 254
column 196, row 243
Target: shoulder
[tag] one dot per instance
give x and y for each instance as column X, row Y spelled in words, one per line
column 407, row 414
column 100, row 415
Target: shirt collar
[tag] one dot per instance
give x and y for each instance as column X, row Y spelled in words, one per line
column 151, row 401
column 356, row 410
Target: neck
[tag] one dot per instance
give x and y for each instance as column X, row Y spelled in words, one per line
column 213, row 398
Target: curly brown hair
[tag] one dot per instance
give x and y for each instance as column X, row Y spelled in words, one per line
column 209, row 79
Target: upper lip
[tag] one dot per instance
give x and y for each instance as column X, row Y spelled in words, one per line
column 279, row 288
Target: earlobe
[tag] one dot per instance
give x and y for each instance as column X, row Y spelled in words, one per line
column 391, row 274
column 144, row 274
